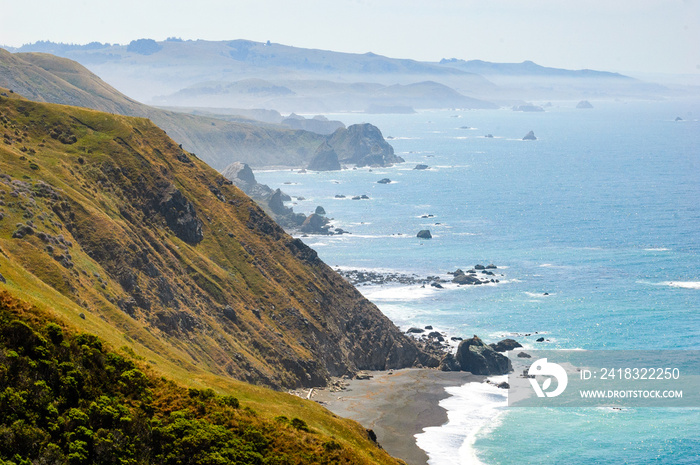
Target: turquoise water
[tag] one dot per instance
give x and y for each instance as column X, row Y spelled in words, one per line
column 602, row 212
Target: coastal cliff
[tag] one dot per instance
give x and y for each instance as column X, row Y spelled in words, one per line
column 135, row 236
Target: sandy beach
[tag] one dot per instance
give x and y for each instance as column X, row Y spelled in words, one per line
column 396, row 405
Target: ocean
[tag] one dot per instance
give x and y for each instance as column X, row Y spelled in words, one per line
column 595, row 232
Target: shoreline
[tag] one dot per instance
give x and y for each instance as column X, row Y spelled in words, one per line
column 396, row 405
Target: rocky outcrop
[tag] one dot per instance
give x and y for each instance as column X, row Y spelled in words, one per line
column 505, row 345
column 363, row 145
column 271, row 201
column 315, row 224
column 384, row 181
column 477, row 358
column 472, row 277
column 180, row 215
column 463, row 278
column 242, row 177
column 424, row 234
column 325, row 159
column 584, row 105
column 276, row 204
column 530, row 136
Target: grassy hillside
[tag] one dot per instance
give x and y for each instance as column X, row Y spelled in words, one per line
column 47, row 78
column 123, row 234
column 67, row 397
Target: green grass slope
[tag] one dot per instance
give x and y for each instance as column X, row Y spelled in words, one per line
column 68, row 398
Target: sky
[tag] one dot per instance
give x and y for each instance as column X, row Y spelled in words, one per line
column 642, row 36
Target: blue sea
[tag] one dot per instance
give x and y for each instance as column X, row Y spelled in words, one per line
column 601, row 212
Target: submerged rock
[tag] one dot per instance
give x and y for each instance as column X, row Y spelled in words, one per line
column 421, row 167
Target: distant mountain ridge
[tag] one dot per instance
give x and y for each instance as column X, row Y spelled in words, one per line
column 526, row 68
column 192, row 62
column 138, row 69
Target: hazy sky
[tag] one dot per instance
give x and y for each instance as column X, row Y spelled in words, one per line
column 618, row 35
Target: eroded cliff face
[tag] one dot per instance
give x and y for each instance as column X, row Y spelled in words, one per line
column 130, row 229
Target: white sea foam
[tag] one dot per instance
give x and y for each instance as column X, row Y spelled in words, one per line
column 397, row 293
column 684, row 284
column 536, row 295
column 657, row 249
column 348, row 237
column 546, row 265
column 369, row 269
column 471, row 410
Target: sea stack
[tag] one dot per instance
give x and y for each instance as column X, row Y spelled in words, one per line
column 530, row 136
column 424, row 234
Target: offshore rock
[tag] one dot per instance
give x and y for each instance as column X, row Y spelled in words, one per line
column 505, row 345
column 478, row 358
column 315, row 224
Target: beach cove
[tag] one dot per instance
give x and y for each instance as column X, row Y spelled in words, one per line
column 396, row 405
